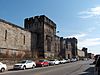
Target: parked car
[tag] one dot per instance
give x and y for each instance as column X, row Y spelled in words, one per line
column 73, row 60
column 63, row 61
column 51, row 62
column 24, row 64
column 3, row 67
column 54, row 62
column 96, row 57
column 67, row 60
column 42, row 63
column 97, row 65
column 57, row 61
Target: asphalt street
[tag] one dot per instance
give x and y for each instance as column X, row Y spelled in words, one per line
column 75, row 68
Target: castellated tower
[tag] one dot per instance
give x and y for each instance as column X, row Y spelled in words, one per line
column 43, row 31
column 73, row 42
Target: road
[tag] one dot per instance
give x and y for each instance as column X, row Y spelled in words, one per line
column 75, row 68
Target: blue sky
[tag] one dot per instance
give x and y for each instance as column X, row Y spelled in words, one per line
column 74, row 18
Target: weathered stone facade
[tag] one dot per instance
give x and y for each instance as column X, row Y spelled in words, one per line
column 65, row 48
column 43, row 32
column 38, row 36
column 73, row 42
column 13, row 39
column 57, row 46
column 62, row 48
column 69, row 50
column 85, row 50
column 81, row 54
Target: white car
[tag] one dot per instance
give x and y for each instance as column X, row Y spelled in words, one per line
column 73, row 60
column 57, row 62
column 67, row 60
column 24, row 64
column 3, row 67
column 63, row 61
column 51, row 62
column 54, row 62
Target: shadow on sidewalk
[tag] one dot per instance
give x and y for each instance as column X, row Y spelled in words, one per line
column 89, row 71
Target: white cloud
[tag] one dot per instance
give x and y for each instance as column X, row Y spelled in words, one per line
column 89, row 42
column 77, row 36
column 85, row 41
column 92, row 12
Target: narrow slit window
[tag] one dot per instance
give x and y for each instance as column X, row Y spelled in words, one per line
column 5, row 35
column 24, row 40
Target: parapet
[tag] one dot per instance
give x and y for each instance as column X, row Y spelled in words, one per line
column 41, row 18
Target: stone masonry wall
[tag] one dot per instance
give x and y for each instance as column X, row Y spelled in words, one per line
column 13, row 38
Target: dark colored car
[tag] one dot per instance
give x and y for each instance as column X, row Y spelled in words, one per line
column 42, row 63
column 96, row 57
column 97, row 65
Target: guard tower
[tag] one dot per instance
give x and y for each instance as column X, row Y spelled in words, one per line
column 43, row 31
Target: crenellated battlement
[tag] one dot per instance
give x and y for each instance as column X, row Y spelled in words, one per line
column 41, row 18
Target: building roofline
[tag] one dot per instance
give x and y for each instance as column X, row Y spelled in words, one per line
column 14, row 25
column 49, row 19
